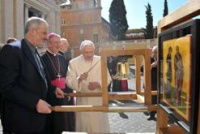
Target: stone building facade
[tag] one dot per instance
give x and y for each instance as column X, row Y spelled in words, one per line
column 14, row 13
column 80, row 20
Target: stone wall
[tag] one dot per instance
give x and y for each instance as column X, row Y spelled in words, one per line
column 127, row 44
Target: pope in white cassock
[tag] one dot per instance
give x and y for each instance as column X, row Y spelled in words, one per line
column 82, row 80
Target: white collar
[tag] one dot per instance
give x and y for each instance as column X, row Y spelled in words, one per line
column 52, row 53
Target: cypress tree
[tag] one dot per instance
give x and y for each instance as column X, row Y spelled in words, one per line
column 149, row 27
column 165, row 12
column 118, row 19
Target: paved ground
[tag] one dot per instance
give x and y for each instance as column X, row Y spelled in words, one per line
column 137, row 123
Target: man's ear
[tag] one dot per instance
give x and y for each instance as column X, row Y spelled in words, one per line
column 32, row 31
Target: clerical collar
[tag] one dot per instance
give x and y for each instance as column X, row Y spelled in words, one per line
column 51, row 53
column 31, row 46
column 62, row 53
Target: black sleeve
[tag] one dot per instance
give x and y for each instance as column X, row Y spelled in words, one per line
column 10, row 71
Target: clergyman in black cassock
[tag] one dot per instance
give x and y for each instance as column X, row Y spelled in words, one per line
column 57, row 122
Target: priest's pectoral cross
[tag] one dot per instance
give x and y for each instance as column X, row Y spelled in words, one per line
column 59, row 76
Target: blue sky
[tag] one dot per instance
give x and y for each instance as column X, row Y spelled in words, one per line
column 136, row 16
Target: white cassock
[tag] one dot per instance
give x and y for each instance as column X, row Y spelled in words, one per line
column 90, row 122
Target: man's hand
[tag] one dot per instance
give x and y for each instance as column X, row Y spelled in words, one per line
column 68, row 97
column 59, row 93
column 93, row 85
column 154, row 64
column 43, row 107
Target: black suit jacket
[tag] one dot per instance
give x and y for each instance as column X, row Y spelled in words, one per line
column 21, row 86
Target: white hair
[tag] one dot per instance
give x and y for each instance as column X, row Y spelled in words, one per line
column 86, row 43
column 63, row 39
column 34, row 22
column 155, row 49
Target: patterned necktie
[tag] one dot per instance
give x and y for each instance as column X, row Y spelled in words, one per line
column 40, row 67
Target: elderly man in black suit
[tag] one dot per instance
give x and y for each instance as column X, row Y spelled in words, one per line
column 25, row 83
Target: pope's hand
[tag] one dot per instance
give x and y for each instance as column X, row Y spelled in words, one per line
column 82, row 77
column 93, row 85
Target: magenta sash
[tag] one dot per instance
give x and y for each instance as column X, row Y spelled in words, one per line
column 59, row 82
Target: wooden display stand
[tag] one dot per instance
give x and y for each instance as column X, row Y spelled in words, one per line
column 140, row 96
column 164, row 128
column 162, row 124
column 180, row 16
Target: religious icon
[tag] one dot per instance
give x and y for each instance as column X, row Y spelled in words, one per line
column 177, row 75
column 169, row 72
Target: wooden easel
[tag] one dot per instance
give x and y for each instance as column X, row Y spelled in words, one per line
column 181, row 15
column 140, row 96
